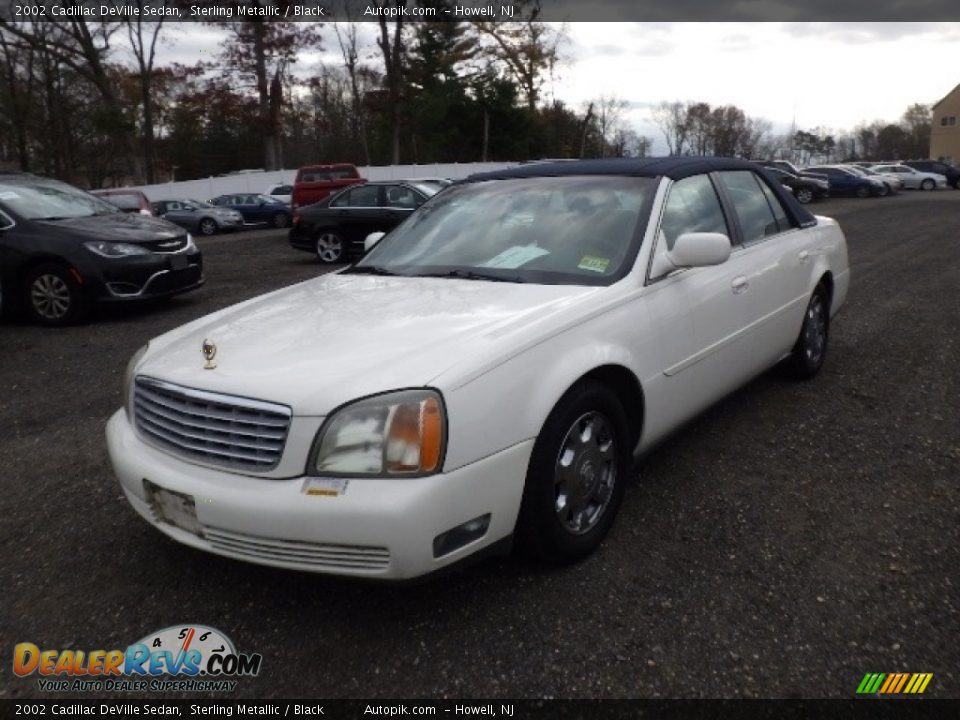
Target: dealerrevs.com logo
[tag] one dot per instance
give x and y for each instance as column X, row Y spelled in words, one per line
column 177, row 658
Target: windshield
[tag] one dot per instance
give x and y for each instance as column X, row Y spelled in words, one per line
column 44, row 199
column 574, row 230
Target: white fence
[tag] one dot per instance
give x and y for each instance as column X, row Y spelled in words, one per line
column 258, row 182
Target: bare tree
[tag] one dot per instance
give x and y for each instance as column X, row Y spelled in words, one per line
column 391, row 46
column 529, row 49
column 671, row 118
column 349, row 49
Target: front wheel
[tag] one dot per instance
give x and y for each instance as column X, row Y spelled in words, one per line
column 804, row 195
column 810, row 350
column 208, row 226
column 281, row 220
column 577, row 474
column 863, row 191
column 329, row 247
column 54, row 297
column 928, row 184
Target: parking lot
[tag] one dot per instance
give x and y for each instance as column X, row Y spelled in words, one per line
column 792, row 539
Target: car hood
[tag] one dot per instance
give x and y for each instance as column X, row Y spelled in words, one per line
column 320, row 344
column 119, row 227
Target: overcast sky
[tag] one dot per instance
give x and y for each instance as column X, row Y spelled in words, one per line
column 833, row 75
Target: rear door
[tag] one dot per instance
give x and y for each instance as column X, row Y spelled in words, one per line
column 778, row 259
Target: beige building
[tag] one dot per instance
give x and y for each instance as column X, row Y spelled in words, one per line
column 945, row 130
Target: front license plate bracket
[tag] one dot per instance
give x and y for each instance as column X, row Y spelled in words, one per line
column 173, row 508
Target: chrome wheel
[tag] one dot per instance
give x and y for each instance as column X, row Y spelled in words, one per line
column 804, row 195
column 585, row 473
column 208, row 226
column 329, row 247
column 50, row 296
column 815, row 331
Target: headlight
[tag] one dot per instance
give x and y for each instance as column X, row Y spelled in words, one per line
column 396, row 434
column 115, row 250
column 128, row 378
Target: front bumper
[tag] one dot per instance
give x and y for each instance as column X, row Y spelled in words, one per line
column 377, row 528
column 145, row 277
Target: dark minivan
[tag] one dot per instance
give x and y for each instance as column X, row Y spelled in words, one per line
column 62, row 249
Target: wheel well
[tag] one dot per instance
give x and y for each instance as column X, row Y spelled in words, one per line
column 625, row 386
column 827, row 282
column 33, row 263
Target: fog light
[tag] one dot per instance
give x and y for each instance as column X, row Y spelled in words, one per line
column 454, row 539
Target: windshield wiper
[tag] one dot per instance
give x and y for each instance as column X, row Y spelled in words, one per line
column 368, row 270
column 473, row 275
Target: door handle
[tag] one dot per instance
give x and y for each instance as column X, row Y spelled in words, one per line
column 804, row 256
column 739, row 284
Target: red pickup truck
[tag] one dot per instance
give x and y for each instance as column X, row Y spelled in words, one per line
column 315, row 182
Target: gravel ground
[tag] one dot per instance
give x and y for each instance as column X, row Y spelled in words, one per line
column 790, row 540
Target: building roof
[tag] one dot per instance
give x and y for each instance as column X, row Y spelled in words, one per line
column 945, row 97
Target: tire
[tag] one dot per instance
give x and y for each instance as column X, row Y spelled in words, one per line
column 281, row 220
column 863, row 191
column 207, row 226
column 810, row 350
column 53, row 297
column 586, row 432
column 884, row 191
column 928, row 184
column 329, row 247
column 804, row 195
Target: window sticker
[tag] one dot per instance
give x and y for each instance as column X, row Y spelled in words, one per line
column 515, row 257
column 593, row 263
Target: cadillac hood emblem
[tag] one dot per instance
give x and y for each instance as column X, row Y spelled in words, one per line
column 209, row 353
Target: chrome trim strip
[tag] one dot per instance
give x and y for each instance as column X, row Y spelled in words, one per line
column 223, row 399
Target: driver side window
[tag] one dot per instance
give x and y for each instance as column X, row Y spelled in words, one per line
column 693, row 206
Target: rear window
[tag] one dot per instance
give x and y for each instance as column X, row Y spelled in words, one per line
column 327, row 175
column 124, row 202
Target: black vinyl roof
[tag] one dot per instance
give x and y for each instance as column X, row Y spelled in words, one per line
column 675, row 168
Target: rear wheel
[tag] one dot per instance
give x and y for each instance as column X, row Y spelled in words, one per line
column 577, row 474
column 208, row 226
column 329, row 247
column 804, row 195
column 810, row 349
column 928, row 184
column 54, row 297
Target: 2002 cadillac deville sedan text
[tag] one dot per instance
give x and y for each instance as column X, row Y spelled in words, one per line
column 488, row 373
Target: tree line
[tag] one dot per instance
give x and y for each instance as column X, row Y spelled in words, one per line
column 87, row 100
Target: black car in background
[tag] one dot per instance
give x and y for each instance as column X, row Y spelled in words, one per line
column 951, row 172
column 804, row 189
column 62, row 249
column 336, row 226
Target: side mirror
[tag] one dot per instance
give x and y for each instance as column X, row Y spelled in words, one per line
column 693, row 250
column 371, row 240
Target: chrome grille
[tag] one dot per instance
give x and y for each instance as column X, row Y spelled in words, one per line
column 343, row 557
column 217, row 429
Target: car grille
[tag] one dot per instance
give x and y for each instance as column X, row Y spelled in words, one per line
column 172, row 245
column 216, row 429
column 343, row 557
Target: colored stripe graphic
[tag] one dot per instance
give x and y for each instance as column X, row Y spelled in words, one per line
column 894, row 683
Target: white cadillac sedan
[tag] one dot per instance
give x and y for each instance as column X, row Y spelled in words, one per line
column 485, row 376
